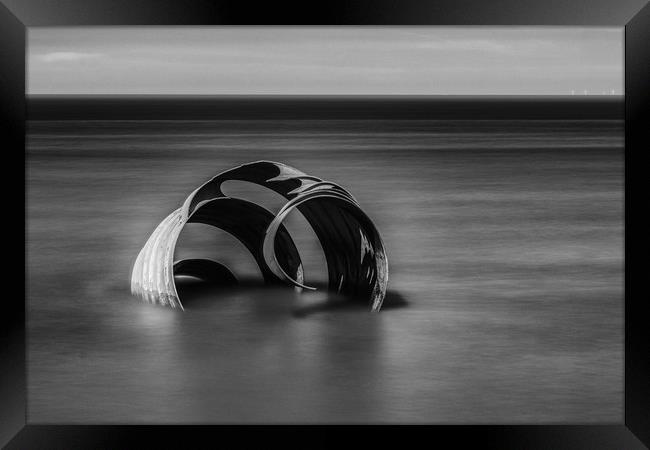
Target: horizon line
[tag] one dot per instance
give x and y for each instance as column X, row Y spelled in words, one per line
column 335, row 96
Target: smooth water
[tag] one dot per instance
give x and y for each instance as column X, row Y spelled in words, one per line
column 505, row 247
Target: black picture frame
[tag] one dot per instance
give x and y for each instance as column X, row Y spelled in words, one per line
column 17, row 15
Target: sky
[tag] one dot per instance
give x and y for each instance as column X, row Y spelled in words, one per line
column 325, row 61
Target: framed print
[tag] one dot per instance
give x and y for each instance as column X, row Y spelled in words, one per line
column 348, row 214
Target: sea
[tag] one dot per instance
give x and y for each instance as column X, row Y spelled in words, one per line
column 503, row 227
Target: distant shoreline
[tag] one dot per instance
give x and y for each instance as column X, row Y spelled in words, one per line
column 151, row 107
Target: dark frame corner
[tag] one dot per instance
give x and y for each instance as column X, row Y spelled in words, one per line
column 634, row 15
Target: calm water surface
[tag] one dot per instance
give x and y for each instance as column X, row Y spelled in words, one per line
column 505, row 245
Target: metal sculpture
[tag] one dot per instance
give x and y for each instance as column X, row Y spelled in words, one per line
column 355, row 254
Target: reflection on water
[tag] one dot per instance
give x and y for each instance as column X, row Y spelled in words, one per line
column 504, row 242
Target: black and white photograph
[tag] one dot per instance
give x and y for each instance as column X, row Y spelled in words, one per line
column 325, row 224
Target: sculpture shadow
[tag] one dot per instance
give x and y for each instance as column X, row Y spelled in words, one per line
column 196, row 293
column 333, row 302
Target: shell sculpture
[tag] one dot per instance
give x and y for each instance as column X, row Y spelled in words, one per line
column 355, row 254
